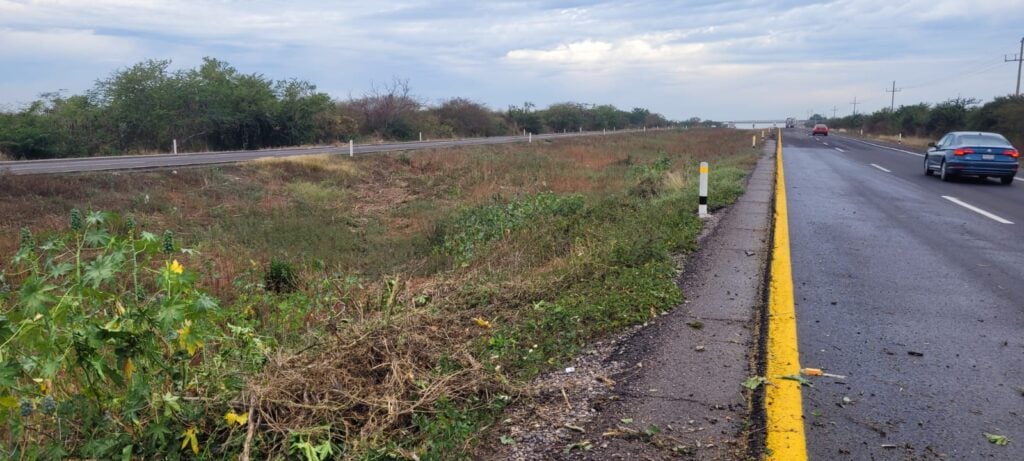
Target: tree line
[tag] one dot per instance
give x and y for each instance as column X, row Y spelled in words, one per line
column 145, row 107
column 1004, row 115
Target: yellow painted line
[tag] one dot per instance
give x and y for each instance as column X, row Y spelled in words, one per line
column 783, row 407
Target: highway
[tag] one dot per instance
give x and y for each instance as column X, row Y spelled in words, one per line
column 128, row 162
column 913, row 289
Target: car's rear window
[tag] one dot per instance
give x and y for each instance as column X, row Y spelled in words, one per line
column 982, row 140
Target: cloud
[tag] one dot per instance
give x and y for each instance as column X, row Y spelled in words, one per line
column 676, row 57
column 65, row 44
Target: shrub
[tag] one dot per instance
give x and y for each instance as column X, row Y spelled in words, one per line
column 280, row 277
column 100, row 347
column 473, row 228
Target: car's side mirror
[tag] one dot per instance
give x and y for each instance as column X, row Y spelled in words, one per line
column 933, row 145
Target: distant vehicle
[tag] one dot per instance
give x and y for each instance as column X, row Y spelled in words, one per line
column 790, row 122
column 819, row 129
column 970, row 153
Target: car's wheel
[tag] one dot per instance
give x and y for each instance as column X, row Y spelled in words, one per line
column 943, row 174
column 927, row 171
column 1006, row 180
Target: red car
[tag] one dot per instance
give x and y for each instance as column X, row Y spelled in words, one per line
column 820, row 129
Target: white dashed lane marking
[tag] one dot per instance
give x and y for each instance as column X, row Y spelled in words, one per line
column 881, row 168
column 977, row 210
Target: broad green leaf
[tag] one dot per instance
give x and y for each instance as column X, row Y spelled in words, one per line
column 9, row 372
column 59, row 270
column 52, row 245
column 96, row 237
column 95, row 218
column 35, row 296
column 204, row 302
column 102, row 269
column 754, row 382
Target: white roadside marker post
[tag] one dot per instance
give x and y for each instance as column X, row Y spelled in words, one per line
column 175, row 144
column 530, row 137
column 702, row 207
column 421, row 136
column 753, row 141
column 351, row 148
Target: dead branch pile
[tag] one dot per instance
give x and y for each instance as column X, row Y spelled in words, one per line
column 371, row 378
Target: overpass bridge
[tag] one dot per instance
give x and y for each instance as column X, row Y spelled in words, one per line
column 762, row 123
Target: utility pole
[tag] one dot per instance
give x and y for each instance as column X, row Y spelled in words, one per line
column 1020, row 60
column 834, row 109
column 892, row 104
column 854, row 105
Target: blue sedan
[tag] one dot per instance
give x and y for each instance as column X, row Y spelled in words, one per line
column 971, row 153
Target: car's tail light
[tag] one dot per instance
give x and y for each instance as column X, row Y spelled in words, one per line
column 1012, row 153
column 962, row 152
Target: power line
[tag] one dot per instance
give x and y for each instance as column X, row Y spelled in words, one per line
column 1019, row 58
column 988, row 64
column 894, row 90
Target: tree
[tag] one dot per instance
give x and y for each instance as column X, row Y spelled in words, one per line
column 388, row 110
column 950, row 115
column 524, row 118
column 466, row 118
column 566, row 116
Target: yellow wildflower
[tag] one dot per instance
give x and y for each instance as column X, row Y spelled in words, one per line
column 234, row 418
column 177, row 268
column 45, row 385
column 185, row 339
column 129, row 368
column 483, row 323
column 189, row 438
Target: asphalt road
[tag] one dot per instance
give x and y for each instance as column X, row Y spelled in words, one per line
column 916, row 299
column 128, row 162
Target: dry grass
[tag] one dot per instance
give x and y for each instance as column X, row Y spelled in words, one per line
column 909, row 141
column 377, row 357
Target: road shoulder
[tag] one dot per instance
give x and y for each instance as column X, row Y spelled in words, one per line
column 671, row 387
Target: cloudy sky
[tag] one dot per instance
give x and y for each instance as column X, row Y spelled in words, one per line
column 713, row 59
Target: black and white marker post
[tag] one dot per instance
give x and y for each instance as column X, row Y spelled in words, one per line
column 702, row 209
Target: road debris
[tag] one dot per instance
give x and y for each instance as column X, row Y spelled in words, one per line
column 584, row 445
column 754, row 382
column 575, row 428
column 997, row 439
column 818, row 372
column 800, row 379
column 915, row 353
